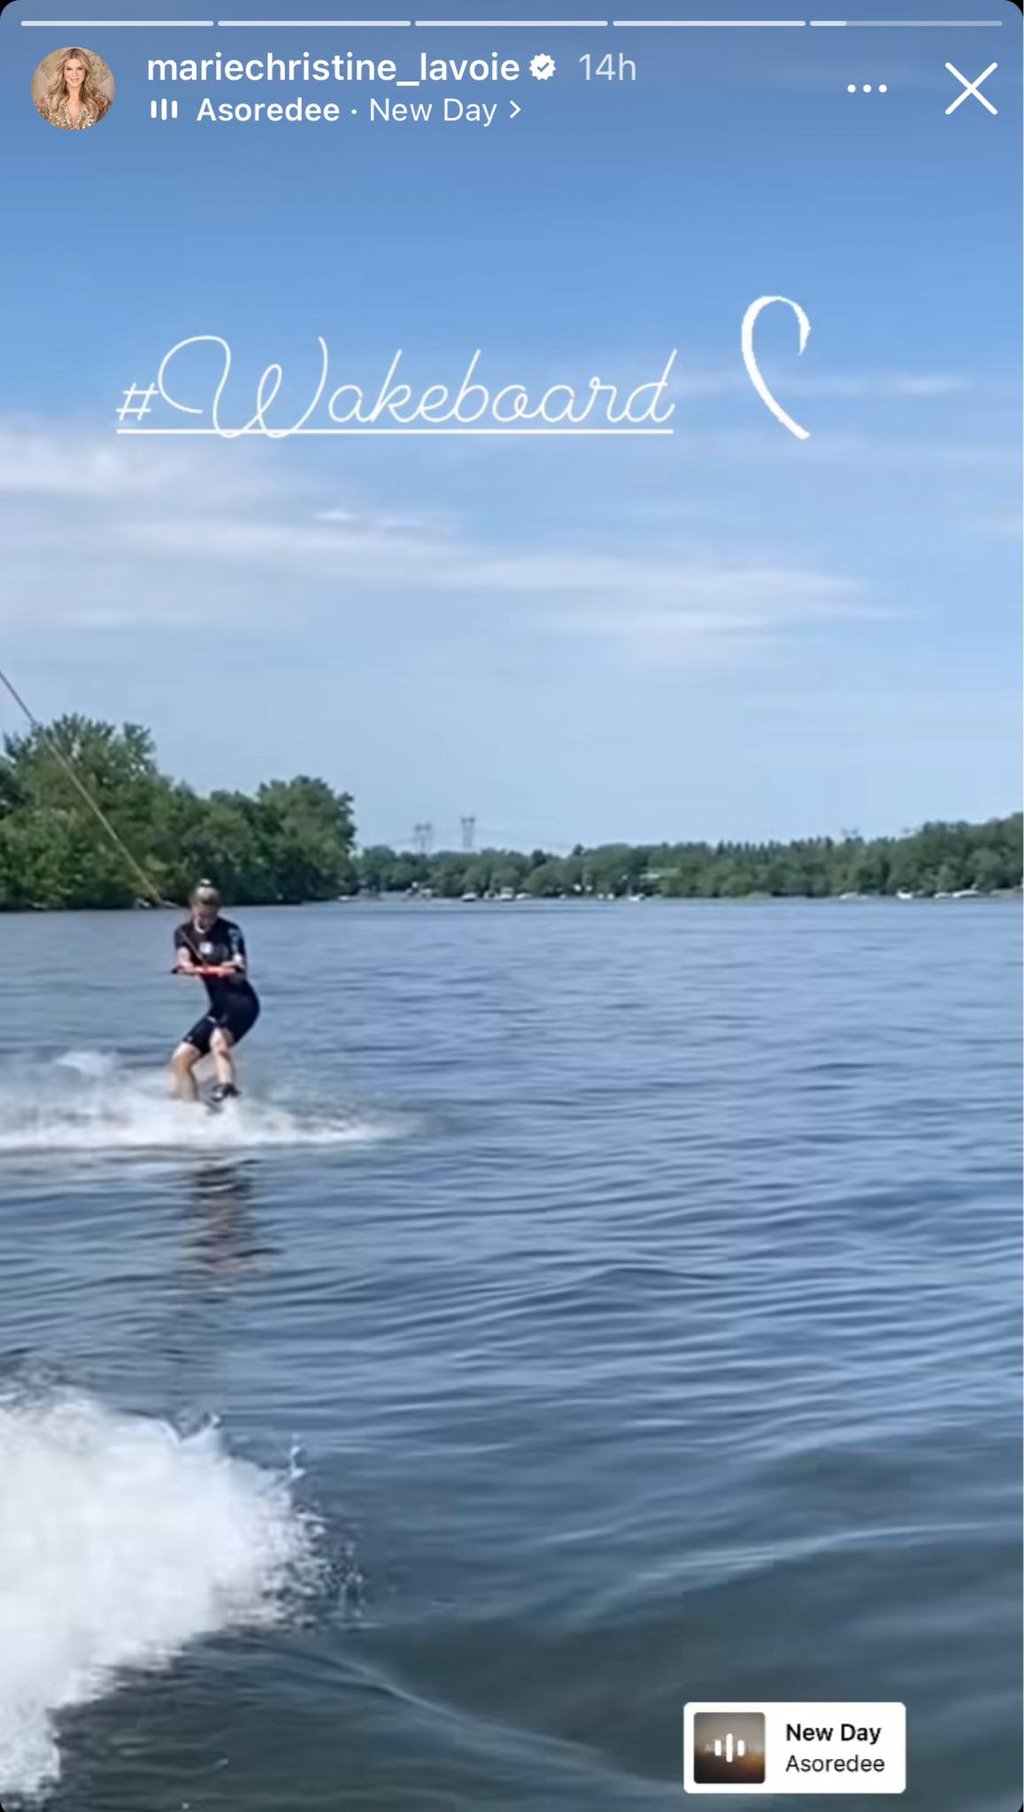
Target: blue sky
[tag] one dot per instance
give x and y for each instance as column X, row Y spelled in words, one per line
column 726, row 633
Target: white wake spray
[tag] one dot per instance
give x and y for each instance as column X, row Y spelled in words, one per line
column 86, row 1102
column 121, row 1541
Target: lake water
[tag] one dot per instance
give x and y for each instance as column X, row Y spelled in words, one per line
column 590, row 1308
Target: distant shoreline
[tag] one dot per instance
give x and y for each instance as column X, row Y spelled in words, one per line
column 938, row 861
column 994, row 895
column 997, row 896
column 88, row 821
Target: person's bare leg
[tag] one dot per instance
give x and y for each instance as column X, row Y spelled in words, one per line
column 183, row 1063
column 220, row 1050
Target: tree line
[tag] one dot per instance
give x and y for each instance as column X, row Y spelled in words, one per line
column 290, row 841
column 937, row 859
column 295, row 840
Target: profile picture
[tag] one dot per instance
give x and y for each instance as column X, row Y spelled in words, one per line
column 73, row 88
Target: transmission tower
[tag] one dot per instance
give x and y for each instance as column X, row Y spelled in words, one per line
column 468, row 834
column 423, row 836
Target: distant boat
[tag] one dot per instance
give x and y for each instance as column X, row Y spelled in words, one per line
column 966, row 893
column 904, row 893
column 470, row 895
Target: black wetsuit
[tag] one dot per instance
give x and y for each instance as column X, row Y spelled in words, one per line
column 233, row 1001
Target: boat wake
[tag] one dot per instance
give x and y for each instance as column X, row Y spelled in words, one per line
column 122, row 1540
column 86, row 1101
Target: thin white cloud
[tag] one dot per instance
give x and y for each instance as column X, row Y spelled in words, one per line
column 36, row 461
column 155, row 538
column 848, row 385
column 860, row 448
column 1007, row 527
column 409, row 522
